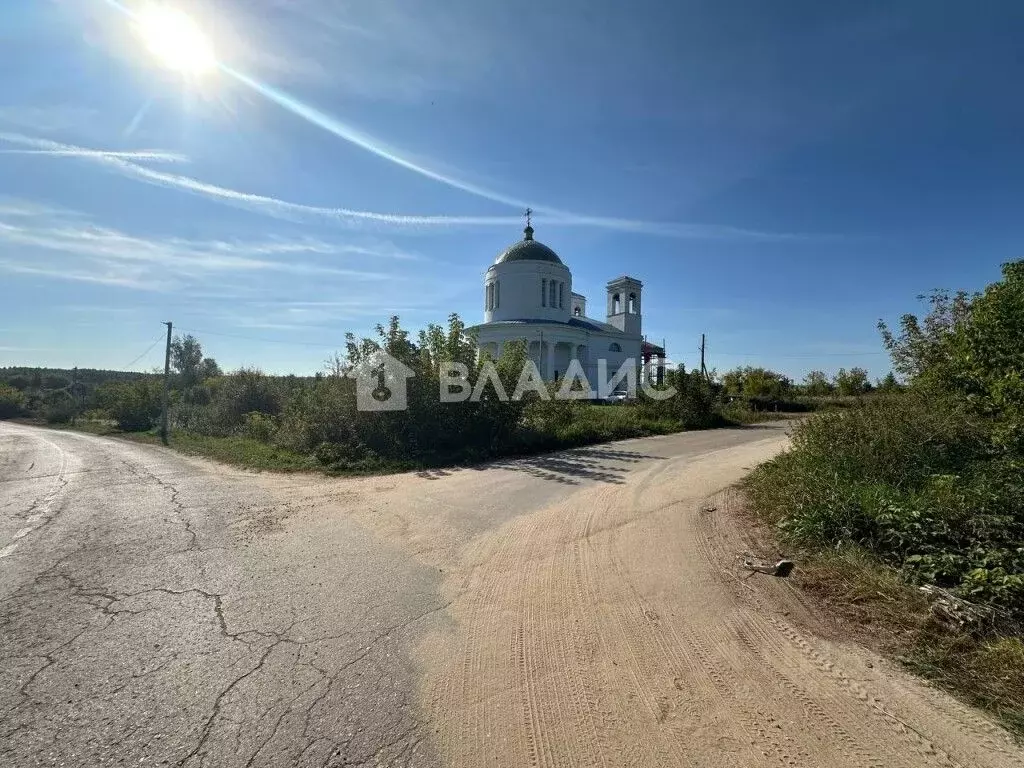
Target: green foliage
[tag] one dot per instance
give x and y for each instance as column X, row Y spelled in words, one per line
column 58, row 407
column 259, row 426
column 889, row 384
column 692, row 407
column 852, row 382
column 930, row 481
column 912, row 481
column 12, row 402
column 816, row 384
column 188, row 362
column 756, row 382
column 134, row 405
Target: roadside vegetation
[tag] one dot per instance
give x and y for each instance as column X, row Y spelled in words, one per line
column 909, row 508
column 299, row 423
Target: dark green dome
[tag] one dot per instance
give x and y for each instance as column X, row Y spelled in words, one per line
column 528, row 249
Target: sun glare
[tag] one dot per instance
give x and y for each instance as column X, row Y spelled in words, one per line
column 176, row 40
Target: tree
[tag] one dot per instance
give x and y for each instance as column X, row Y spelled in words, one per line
column 852, row 382
column 816, row 383
column 920, row 347
column 188, row 362
column 888, row 384
column 971, row 347
column 756, row 382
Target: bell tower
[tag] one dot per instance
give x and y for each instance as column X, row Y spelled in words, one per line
column 624, row 304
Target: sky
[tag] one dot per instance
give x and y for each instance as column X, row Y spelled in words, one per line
column 779, row 175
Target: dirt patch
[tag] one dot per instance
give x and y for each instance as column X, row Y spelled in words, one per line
column 614, row 628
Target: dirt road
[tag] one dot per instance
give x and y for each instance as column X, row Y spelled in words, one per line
column 581, row 609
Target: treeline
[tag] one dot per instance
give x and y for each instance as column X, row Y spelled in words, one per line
column 318, row 416
column 931, row 484
column 764, row 383
column 55, row 395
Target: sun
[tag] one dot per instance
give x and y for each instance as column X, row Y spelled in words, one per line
column 176, row 40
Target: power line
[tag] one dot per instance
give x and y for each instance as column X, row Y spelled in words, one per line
column 803, row 357
column 148, row 350
column 257, row 338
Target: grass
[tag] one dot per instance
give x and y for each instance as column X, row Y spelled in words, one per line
column 894, row 494
column 882, row 611
column 240, row 451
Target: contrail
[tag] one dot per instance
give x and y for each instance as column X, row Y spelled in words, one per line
column 358, row 138
column 122, row 161
column 370, row 144
column 144, row 154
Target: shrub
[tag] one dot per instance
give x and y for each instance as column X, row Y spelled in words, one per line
column 259, row 426
column 135, row 406
column 913, row 480
column 12, row 402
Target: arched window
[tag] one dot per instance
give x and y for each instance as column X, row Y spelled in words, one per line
column 543, row 292
column 489, row 297
column 576, row 312
column 552, row 294
column 561, row 295
column 615, row 304
column 632, row 304
column 614, row 347
column 497, row 293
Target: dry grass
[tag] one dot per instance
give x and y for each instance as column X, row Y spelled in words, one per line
column 871, row 603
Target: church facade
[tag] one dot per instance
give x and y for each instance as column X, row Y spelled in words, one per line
column 528, row 295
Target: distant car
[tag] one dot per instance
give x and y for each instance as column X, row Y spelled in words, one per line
column 617, row 397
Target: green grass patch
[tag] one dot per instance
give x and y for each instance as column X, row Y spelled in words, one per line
column 240, row 451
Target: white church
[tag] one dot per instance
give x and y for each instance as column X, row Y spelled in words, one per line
column 528, row 295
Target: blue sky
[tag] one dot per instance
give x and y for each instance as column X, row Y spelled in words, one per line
column 780, row 175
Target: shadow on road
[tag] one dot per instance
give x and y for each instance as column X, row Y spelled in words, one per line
column 604, row 465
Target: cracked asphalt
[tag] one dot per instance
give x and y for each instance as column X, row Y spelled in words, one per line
column 162, row 610
column 150, row 615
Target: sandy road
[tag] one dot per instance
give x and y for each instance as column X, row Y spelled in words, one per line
column 581, row 609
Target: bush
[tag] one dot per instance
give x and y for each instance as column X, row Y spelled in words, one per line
column 135, row 406
column 913, row 480
column 259, row 426
column 12, row 402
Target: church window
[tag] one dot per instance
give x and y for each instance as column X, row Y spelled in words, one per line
column 497, row 293
column 561, row 295
column 543, row 292
column 614, row 347
column 615, row 304
column 488, row 298
column 632, row 304
column 552, row 294
column 576, row 312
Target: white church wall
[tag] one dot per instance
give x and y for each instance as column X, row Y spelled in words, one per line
column 519, row 291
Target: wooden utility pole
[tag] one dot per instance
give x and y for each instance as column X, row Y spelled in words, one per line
column 703, row 367
column 167, row 386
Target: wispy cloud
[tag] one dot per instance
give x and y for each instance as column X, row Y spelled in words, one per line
column 142, row 154
column 82, row 251
column 291, row 211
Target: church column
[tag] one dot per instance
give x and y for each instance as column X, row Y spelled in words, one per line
column 551, row 361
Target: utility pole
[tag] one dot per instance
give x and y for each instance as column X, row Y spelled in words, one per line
column 167, row 386
column 703, row 368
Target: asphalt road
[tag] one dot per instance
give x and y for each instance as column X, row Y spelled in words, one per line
column 160, row 610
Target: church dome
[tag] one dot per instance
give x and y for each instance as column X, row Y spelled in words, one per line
column 528, row 249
